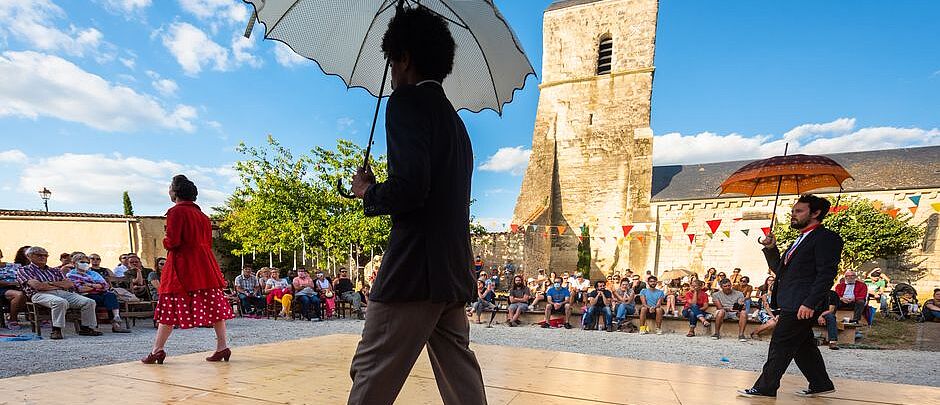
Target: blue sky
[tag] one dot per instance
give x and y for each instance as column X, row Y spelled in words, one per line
column 101, row 96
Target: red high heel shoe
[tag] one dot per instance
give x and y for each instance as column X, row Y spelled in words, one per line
column 157, row 357
column 219, row 356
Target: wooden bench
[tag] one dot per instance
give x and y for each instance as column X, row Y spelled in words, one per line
column 35, row 314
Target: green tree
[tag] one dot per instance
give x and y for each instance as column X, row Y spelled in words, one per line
column 475, row 227
column 128, row 206
column 584, row 251
column 868, row 233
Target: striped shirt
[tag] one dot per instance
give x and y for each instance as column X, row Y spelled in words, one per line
column 248, row 284
column 86, row 280
column 33, row 272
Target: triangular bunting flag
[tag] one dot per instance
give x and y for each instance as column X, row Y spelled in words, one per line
column 580, row 238
column 836, row 210
column 532, row 228
column 893, row 212
column 561, row 229
column 766, row 230
column 877, row 205
column 746, row 231
column 639, row 238
column 713, row 224
column 709, row 234
column 691, row 237
column 913, row 209
column 727, row 234
column 915, row 199
column 737, row 219
column 668, row 238
column 515, row 228
column 666, row 228
column 627, row 229
column 685, row 226
column 935, row 206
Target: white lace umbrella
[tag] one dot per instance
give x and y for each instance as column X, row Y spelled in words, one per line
column 344, row 37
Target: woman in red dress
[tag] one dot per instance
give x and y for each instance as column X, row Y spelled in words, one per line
column 191, row 283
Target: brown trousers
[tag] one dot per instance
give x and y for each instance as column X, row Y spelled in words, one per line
column 392, row 339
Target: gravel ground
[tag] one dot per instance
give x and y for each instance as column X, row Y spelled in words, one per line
column 897, row 366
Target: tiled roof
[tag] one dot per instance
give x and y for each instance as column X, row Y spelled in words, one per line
column 879, row 170
column 559, row 4
column 25, row 213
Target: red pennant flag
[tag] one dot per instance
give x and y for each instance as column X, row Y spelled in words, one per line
column 894, row 212
column 913, row 210
column 561, row 229
column 627, row 229
column 685, row 226
column 737, row 219
column 766, row 230
column 640, row 238
column 713, row 224
column 836, row 210
column 515, row 228
column 691, row 237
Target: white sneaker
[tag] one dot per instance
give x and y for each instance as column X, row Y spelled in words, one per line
column 659, row 331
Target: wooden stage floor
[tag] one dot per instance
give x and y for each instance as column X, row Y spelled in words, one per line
column 315, row 371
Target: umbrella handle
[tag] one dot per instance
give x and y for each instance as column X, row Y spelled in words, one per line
column 341, row 189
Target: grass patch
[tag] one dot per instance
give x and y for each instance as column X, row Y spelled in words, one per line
column 891, row 334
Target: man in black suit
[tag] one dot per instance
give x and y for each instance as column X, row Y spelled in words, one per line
column 418, row 296
column 805, row 273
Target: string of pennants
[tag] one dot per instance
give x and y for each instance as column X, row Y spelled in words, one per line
column 642, row 231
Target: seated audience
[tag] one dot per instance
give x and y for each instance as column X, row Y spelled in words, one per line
column 710, row 278
column 121, row 267
column 580, row 287
column 623, row 296
column 248, row 290
column 877, row 289
column 47, row 287
column 263, row 276
column 745, row 287
column 599, row 302
column 637, row 287
column 94, row 286
column 96, row 267
column 10, row 291
column 853, row 294
column 305, row 292
column 827, row 317
column 672, row 296
column 153, row 282
column 519, row 295
column 651, row 300
column 346, row 291
column 729, row 304
column 327, row 295
column 135, row 279
column 736, row 277
column 696, row 302
column 932, row 307
column 765, row 315
column 66, row 263
column 278, row 289
column 486, row 299
column 559, row 302
column 715, row 286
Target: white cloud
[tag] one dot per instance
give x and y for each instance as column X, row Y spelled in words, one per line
column 127, row 7
column 814, row 138
column 217, row 12
column 494, row 191
column 165, row 87
column 128, row 62
column 31, row 21
column 193, row 49
column 345, row 124
column 39, row 85
column 241, row 48
column 95, row 182
column 288, row 58
column 12, row 156
column 494, row 224
column 512, row 160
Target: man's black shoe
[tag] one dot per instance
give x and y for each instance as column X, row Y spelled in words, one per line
column 86, row 331
column 809, row 393
column 567, row 325
column 546, row 325
column 754, row 393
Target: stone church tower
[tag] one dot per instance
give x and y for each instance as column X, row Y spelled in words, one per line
column 591, row 162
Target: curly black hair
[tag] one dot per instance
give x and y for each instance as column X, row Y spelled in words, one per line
column 425, row 37
column 185, row 189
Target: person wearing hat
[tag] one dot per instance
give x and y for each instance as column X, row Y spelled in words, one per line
column 877, row 288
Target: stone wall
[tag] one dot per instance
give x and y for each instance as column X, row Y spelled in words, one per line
column 591, row 160
column 495, row 248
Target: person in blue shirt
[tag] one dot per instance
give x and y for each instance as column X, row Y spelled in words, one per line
column 651, row 299
column 559, row 301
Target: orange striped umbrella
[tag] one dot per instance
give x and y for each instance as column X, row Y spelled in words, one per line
column 788, row 174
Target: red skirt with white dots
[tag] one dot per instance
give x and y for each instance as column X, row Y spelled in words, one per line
column 193, row 309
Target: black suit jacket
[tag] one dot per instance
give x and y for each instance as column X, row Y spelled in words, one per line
column 430, row 162
column 809, row 274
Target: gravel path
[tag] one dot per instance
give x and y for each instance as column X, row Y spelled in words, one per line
column 898, row 366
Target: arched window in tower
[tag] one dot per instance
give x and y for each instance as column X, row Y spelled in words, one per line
column 605, row 53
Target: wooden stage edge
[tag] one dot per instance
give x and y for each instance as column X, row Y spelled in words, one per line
column 316, row 371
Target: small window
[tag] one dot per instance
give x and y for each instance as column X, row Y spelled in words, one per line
column 605, row 55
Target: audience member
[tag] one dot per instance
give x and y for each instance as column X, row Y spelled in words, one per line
column 827, row 317
column 277, row 288
column 10, row 291
column 721, row 276
column 486, row 299
column 637, row 287
column 853, row 294
column 710, row 278
column 96, row 267
column 696, row 302
column 153, row 282
column 729, row 304
column 673, row 290
column 20, row 257
column 135, row 279
column 745, row 287
column 932, row 307
column 877, row 289
column 559, row 302
column 327, row 295
column 477, row 265
column 599, row 302
column 248, row 289
column 364, row 296
column 94, row 286
column 519, row 295
column 651, row 300
column 624, row 299
column 346, row 292
column 66, row 263
column 305, row 292
column 47, row 287
column 580, row 287
column 735, row 277
column 121, row 266
column 765, row 315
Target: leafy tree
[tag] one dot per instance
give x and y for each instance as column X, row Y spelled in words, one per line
column 868, row 233
column 128, row 206
column 584, row 251
column 475, row 227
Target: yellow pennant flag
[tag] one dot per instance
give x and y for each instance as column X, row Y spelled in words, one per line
column 727, row 234
column 936, row 206
column 561, row 229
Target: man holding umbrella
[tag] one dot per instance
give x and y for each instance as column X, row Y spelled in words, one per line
column 805, row 273
column 418, row 298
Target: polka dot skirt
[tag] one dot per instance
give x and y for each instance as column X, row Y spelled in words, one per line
column 193, row 309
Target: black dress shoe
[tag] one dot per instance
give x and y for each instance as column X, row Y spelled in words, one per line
column 754, row 393
column 809, row 393
column 86, row 331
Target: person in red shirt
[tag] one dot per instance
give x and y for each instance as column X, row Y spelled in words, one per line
column 853, row 294
column 192, row 282
column 696, row 302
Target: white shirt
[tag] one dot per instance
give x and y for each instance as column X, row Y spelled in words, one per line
column 849, row 291
column 119, row 270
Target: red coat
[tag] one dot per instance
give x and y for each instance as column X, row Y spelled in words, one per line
column 190, row 263
column 860, row 291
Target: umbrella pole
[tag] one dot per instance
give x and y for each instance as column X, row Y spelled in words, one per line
column 773, row 217
column 365, row 159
